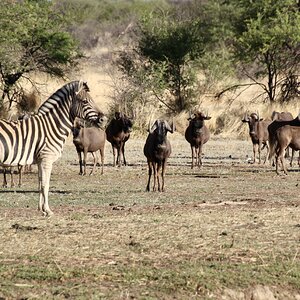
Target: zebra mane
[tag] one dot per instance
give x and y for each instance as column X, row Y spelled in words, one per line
column 62, row 95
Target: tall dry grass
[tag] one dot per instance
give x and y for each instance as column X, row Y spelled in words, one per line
column 226, row 113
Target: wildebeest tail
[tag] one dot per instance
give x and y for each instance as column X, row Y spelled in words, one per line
column 272, row 140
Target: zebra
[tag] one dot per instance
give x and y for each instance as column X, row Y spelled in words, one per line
column 40, row 139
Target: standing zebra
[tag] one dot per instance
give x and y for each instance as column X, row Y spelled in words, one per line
column 40, row 139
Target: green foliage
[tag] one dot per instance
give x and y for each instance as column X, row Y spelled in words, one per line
column 267, row 41
column 165, row 58
column 33, row 37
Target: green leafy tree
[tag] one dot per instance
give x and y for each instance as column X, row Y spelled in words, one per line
column 164, row 57
column 33, row 37
column 267, row 46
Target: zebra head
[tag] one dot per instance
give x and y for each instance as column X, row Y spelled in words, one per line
column 85, row 108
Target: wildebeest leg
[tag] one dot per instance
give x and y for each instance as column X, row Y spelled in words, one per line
column 254, row 152
column 157, row 173
column 123, row 153
column 259, row 151
column 281, row 158
column 80, row 162
column 4, row 177
column 85, row 151
column 114, row 156
column 149, row 176
column 268, row 150
column 11, row 173
column 95, row 162
column 193, row 154
column 102, row 159
column 154, row 167
column 119, row 157
column 45, row 168
column 20, row 170
column 163, row 171
column 200, row 156
column 292, row 157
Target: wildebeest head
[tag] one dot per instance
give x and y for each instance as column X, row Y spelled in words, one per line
column 160, row 128
column 124, row 121
column 252, row 121
column 197, row 121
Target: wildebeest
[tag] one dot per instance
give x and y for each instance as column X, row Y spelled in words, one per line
column 157, row 149
column 10, row 171
column 197, row 134
column 284, row 116
column 258, row 131
column 283, row 134
column 88, row 139
column 118, row 133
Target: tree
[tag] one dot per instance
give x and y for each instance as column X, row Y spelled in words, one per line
column 33, row 37
column 164, row 57
column 267, row 46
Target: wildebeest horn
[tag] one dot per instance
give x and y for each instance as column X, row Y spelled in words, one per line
column 245, row 117
column 149, row 125
column 169, row 128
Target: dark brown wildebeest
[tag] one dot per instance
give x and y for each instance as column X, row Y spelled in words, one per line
column 88, row 139
column 118, row 133
column 284, row 116
column 258, row 131
column 197, row 134
column 10, row 171
column 157, row 149
column 281, row 116
column 283, row 134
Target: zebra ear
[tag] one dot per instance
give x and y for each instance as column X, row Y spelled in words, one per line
column 82, row 86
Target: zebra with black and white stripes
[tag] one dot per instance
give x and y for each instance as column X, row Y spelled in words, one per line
column 40, row 139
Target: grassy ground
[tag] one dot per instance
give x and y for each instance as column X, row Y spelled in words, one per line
column 219, row 232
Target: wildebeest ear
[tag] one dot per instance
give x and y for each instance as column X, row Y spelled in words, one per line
column 261, row 119
column 207, row 118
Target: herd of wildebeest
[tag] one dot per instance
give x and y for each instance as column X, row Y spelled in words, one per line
column 277, row 135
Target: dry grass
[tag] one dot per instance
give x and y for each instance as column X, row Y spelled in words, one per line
column 218, row 231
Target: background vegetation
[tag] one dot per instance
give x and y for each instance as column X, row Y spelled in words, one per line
column 163, row 57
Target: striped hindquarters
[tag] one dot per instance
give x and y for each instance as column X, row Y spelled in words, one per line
column 18, row 141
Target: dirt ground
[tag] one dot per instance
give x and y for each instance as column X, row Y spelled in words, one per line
column 230, row 230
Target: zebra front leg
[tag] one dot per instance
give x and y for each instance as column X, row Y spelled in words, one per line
column 44, row 181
